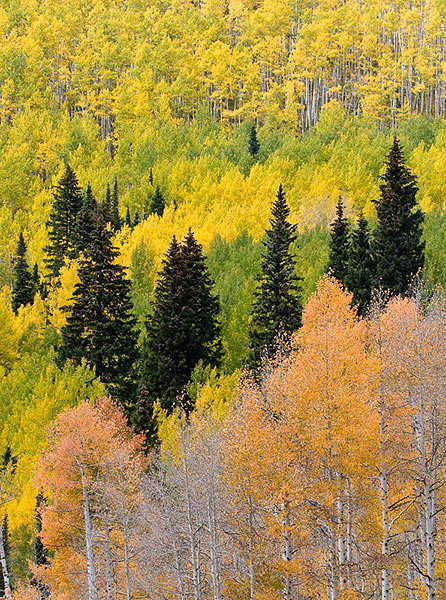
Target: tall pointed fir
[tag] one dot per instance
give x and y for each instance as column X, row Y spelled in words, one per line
column 277, row 308
column 339, row 245
column 360, row 275
column 158, row 203
column 253, row 143
column 107, row 204
column 23, row 289
column 100, row 327
column 183, row 327
column 86, row 221
column 114, row 211
column 397, row 239
column 61, row 224
column 40, row 553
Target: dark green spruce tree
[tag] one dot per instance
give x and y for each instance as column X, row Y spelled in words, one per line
column 397, row 239
column 61, row 224
column 158, row 203
column 183, row 328
column 277, row 308
column 253, row 142
column 100, row 327
column 23, row 290
column 107, row 204
column 128, row 219
column 40, row 553
column 339, row 246
column 115, row 219
column 360, row 275
column 86, row 221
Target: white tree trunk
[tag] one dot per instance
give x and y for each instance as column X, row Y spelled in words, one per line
column 5, row 572
column 91, row 571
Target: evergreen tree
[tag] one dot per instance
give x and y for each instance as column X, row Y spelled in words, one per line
column 23, row 291
column 397, row 239
column 61, row 224
column 128, row 220
column 158, row 203
column 339, row 245
column 277, row 306
column 151, row 176
column 100, row 326
column 86, row 221
column 35, row 279
column 40, row 553
column 107, row 205
column 183, row 327
column 253, row 143
column 360, row 275
column 136, row 219
column 114, row 211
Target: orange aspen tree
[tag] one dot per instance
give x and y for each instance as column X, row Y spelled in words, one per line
column 89, row 450
column 326, row 417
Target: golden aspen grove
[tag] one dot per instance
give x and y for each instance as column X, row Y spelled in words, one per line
column 223, row 299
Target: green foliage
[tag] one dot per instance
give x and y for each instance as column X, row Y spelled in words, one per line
column 397, row 244
column 24, row 285
column 100, row 327
column 62, row 222
column 339, row 245
column 360, row 275
column 183, row 328
column 158, row 203
column 277, row 307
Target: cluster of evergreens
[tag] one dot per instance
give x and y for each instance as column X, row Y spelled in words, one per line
column 393, row 254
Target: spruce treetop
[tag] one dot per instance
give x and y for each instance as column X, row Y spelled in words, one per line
column 23, row 289
column 397, row 240
column 339, row 244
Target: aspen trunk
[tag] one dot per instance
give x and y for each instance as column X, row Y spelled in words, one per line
column 91, row 571
column 5, row 572
column 108, row 559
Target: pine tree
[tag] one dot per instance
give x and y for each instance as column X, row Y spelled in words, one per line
column 23, row 292
column 107, row 205
column 397, row 239
column 128, row 220
column 35, row 279
column 277, row 306
column 151, row 176
column 40, row 553
column 183, row 327
column 100, row 326
column 86, row 221
column 360, row 275
column 61, row 224
column 158, row 203
column 136, row 220
column 116, row 222
column 339, row 245
column 253, row 143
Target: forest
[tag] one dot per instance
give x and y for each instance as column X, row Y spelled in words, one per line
column 222, row 306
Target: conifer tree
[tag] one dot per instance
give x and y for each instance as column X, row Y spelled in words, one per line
column 40, row 553
column 100, row 325
column 277, row 306
column 151, row 176
column 23, row 291
column 253, row 143
column 86, row 221
column 136, row 219
column 61, row 224
column 158, row 203
column 183, row 327
column 360, row 275
column 128, row 220
column 107, row 205
column 114, row 212
column 35, row 279
column 397, row 239
column 339, row 245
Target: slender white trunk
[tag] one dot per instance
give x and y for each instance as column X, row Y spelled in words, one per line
column 128, row 590
column 5, row 572
column 91, row 571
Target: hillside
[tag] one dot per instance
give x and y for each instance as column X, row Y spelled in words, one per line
column 154, row 96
